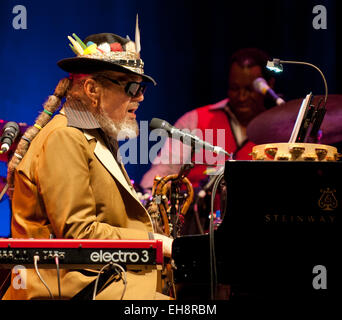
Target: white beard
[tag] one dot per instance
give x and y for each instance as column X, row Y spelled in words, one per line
column 126, row 129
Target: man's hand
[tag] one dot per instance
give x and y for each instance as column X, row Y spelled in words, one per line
column 167, row 243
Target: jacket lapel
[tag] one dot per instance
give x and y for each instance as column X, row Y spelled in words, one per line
column 108, row 161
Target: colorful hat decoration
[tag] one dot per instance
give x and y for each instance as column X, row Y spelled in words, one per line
column 105, row 51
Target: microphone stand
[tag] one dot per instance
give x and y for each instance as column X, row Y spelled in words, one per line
column 9, row 154
column 3, row 191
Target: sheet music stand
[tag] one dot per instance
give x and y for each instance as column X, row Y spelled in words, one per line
column 308, row 122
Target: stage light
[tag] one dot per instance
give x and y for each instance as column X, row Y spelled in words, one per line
column 315, row 118
column 274, row 66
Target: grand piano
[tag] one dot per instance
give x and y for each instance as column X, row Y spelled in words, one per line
column 279, row 238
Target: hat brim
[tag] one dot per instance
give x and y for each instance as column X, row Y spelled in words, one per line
column 88, row 65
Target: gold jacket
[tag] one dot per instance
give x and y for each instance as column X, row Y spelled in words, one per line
column 68, row 184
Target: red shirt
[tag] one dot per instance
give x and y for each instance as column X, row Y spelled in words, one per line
column 211, row 123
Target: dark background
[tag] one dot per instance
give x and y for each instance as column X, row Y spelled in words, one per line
column 185, row 46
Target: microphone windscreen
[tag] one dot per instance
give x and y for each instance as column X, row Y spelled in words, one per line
column 156, row 123
column 12, row 124
column 260, row 85
column 10, row 132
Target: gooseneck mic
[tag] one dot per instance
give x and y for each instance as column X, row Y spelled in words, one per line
column 185, row 137
column 260, row 85
column 10, row 132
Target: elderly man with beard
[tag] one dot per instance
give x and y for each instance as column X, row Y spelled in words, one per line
column 70, row 183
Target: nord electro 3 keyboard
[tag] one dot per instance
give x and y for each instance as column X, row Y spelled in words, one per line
column 79, row 253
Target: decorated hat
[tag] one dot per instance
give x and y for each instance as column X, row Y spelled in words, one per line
column 105, row 51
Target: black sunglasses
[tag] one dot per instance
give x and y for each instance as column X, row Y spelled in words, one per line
column 132, row 88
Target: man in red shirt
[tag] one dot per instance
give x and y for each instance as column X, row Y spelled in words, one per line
column 228, row 120
column 222, row 124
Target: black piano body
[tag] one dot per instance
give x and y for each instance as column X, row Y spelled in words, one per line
column 280, row 236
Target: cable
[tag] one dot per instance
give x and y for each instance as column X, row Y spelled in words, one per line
column 197, row 218
column 5, row 283
column 58, row 275
column 213, row 270
column 36, row 259
column 124, row 279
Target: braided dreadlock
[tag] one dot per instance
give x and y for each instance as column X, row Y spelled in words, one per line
column 50, row 106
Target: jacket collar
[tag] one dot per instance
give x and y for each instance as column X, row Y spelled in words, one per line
column 79, row 116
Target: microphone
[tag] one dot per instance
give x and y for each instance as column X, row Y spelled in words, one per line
column 10, row 132
column 260, row 85
column 185, row 137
